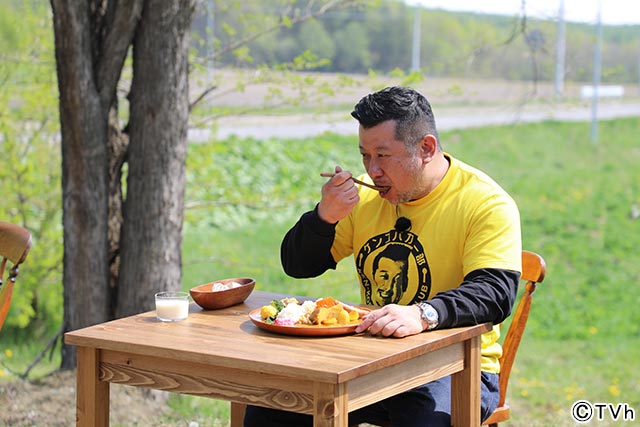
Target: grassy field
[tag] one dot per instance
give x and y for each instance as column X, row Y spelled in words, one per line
column 580, row 209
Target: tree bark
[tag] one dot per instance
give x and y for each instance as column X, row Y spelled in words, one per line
column 84, row 172
column 151, row 242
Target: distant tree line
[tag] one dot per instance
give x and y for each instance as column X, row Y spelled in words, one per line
column 378, row 36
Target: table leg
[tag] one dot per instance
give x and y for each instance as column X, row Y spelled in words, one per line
column 330, row 407
column 92, row 399
column 237, row 414
column 465, row 388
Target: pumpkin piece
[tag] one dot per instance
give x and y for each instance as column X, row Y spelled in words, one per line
column 334, row 316
column 319, row 315
column 330, row 321
column 343, row 316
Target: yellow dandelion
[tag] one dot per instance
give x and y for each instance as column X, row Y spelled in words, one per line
column 578, row 195
column 8, row 352
column 524, row 392
column 614, row 390
column 1, row 373
column 593, row 330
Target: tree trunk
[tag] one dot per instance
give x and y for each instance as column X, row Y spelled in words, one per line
column 84, row 173
column 151, row 245
column 92, row 39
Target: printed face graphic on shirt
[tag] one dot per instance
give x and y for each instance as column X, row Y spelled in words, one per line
column 393, row 269
column 390, row 274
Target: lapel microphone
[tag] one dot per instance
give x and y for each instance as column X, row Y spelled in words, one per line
column 403, row 224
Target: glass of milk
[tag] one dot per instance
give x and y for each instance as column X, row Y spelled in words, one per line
column 172, row 306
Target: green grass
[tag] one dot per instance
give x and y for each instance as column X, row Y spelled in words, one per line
column 550, row 375
column 17, row 355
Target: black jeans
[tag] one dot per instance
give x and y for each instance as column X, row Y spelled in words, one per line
column 427, row 405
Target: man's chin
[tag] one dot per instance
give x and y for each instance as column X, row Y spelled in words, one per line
column 389, row 195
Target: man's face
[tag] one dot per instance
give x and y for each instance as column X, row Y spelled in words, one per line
column 390, row 164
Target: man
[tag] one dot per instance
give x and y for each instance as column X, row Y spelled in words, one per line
column 454, row 232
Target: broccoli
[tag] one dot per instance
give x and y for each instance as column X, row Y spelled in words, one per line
column 277, row 304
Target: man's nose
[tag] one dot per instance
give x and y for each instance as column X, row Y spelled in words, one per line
column 373, row 169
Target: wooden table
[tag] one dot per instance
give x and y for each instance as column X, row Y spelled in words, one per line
column 221, row 354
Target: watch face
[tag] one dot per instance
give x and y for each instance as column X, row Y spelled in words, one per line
column 429, row 314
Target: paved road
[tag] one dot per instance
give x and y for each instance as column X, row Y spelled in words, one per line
column 300, row 126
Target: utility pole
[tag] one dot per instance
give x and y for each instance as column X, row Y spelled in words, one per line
column 560, row 53
column 210, row 33
column 415, row 52
column 597, row 67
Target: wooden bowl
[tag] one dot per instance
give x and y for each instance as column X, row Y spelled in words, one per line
column 207, row 298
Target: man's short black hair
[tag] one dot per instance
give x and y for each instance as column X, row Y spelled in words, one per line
column 409, row 109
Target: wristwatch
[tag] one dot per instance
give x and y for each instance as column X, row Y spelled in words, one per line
column 428, row 314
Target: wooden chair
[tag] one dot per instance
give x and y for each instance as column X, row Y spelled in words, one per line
column 533, row 271
column 15, row 243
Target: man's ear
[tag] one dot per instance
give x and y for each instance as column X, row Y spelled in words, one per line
column 428, row 147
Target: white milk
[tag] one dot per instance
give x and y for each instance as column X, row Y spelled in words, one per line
column 171, row 310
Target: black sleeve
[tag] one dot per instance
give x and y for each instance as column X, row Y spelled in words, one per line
column 306, row 248
column 485, row 295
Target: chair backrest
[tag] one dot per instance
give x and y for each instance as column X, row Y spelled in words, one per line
column 533, row 271
column 15, row 242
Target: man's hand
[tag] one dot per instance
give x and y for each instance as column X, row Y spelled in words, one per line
column 393, row 320
column 339, row 196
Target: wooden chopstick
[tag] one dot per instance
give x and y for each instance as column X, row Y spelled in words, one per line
column 357, row 181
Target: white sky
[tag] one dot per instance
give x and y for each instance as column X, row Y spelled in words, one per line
column 612, row 11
